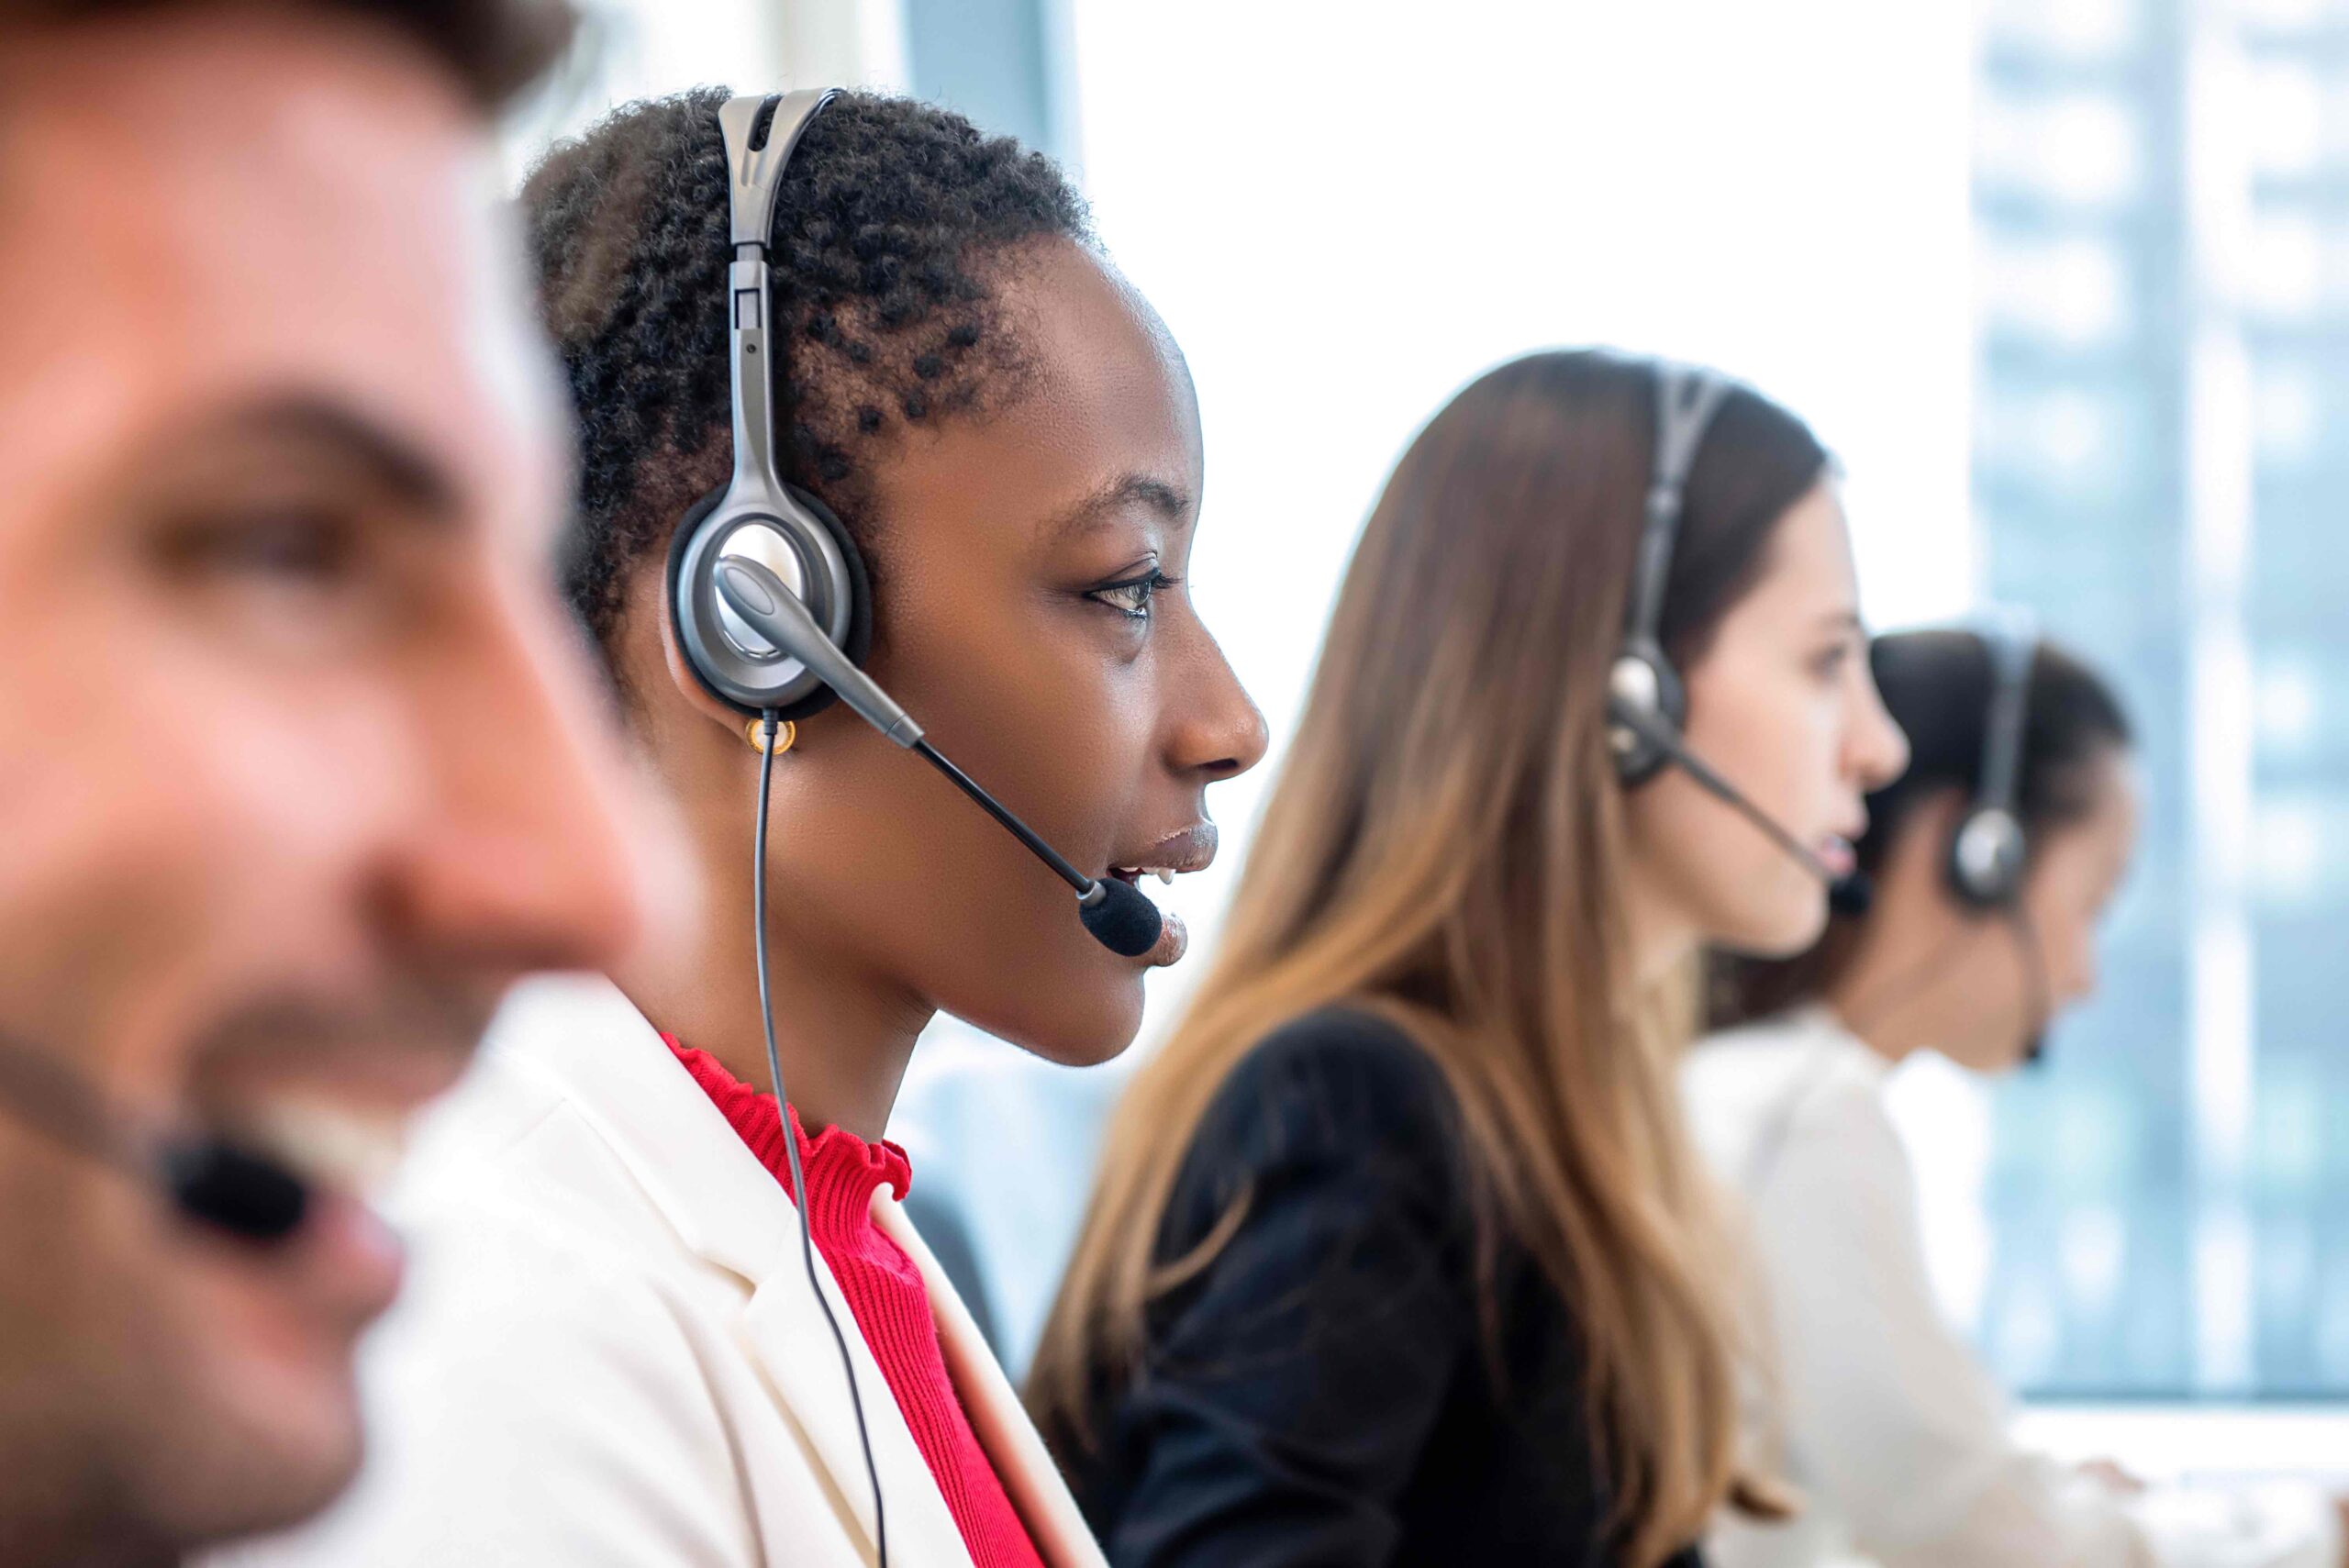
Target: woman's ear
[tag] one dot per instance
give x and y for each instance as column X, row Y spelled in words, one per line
column 688, row 684
column 1916, row 868
column 669, row 701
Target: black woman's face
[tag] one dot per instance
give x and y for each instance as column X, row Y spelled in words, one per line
column 1031, row 612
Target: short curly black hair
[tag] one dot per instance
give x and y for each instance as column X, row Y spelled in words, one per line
column 894, row 226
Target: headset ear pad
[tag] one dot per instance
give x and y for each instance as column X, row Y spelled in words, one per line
column 1988, row 858
column 856, row 643
column 1642, row 678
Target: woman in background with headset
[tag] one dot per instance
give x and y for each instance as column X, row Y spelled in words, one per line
column 1398, row 1254
column 1992, row 858
column 621, row 1353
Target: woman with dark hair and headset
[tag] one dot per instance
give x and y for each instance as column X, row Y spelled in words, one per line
column 1992, row 859
column 629, row 1346
column 1398, row 1253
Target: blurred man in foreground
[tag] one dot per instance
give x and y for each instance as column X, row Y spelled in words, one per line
column 301, row 766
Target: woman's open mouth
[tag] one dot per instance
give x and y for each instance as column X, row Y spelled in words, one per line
column 1192, row 849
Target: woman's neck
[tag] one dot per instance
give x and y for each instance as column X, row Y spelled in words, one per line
column 1887, row 997
column 843, row 1033
column 1661, row 940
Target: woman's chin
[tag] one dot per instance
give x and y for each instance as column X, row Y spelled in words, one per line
column 1783, row 927
column 1067, row 1024
column 1089, row 1053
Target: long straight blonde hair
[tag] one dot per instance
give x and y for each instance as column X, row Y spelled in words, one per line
column 1444, row 848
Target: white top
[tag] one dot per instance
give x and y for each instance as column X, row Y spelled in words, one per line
column 1897, row 1437
column 609, row 1355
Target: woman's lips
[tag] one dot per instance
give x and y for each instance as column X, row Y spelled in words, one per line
column 1837, row 856
column 1177, row 855
column 1174, row 942
column 1192, row 849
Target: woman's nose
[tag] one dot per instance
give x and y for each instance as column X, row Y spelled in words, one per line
column 1220, row 731
column 1879, row 751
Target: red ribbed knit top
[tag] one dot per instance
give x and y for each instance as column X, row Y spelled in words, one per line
column 887, row 1298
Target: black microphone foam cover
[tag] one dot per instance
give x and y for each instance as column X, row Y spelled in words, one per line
column 233, row 1190
column 1123, row 921
column 1851, row 895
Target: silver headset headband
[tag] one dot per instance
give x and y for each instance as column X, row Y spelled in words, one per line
column 754, row 177
column 2011, row 640
column 1686, row 397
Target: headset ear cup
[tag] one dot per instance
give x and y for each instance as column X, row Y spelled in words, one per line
column 1642, row 676
column 1954, row 867
column 809, row 513
column 1987, row 857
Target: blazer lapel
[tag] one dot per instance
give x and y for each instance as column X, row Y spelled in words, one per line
column 1030, row 1478
column 613, row 1066
column 787, row 1333
column 580, row 1034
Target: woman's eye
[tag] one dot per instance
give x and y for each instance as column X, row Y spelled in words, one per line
column 1832, row 662
column 1132, row 598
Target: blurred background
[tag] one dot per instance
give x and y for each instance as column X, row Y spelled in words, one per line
column 2065, row 285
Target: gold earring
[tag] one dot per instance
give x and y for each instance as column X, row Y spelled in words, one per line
column 785, row 734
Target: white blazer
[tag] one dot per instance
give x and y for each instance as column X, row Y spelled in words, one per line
column 609, row 1355
column 1898, row 1437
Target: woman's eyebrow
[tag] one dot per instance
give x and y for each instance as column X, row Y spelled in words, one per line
column 1170, row 501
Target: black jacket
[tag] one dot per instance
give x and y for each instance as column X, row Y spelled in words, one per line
column 1323, row 1395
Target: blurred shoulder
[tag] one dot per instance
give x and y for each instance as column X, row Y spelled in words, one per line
column 1339, row 1089
column 1350, row 1063
column 1794, row 1086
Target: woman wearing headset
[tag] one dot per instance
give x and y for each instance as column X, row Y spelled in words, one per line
column 618, row 1358
column 1876, row 1408
column 1399, row 1255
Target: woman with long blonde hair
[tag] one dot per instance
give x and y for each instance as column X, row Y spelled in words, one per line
column 1399, row 1248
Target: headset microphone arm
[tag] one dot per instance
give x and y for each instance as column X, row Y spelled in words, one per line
column 1662, row 738
column 53, row 1097
column 1117, row 914
column 2039, row 1009
column 1847, row 895
column 211, row 1179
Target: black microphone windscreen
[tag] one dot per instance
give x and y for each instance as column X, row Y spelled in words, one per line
column 1851, row 895
column 1123, row 921
column 232, row 1190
